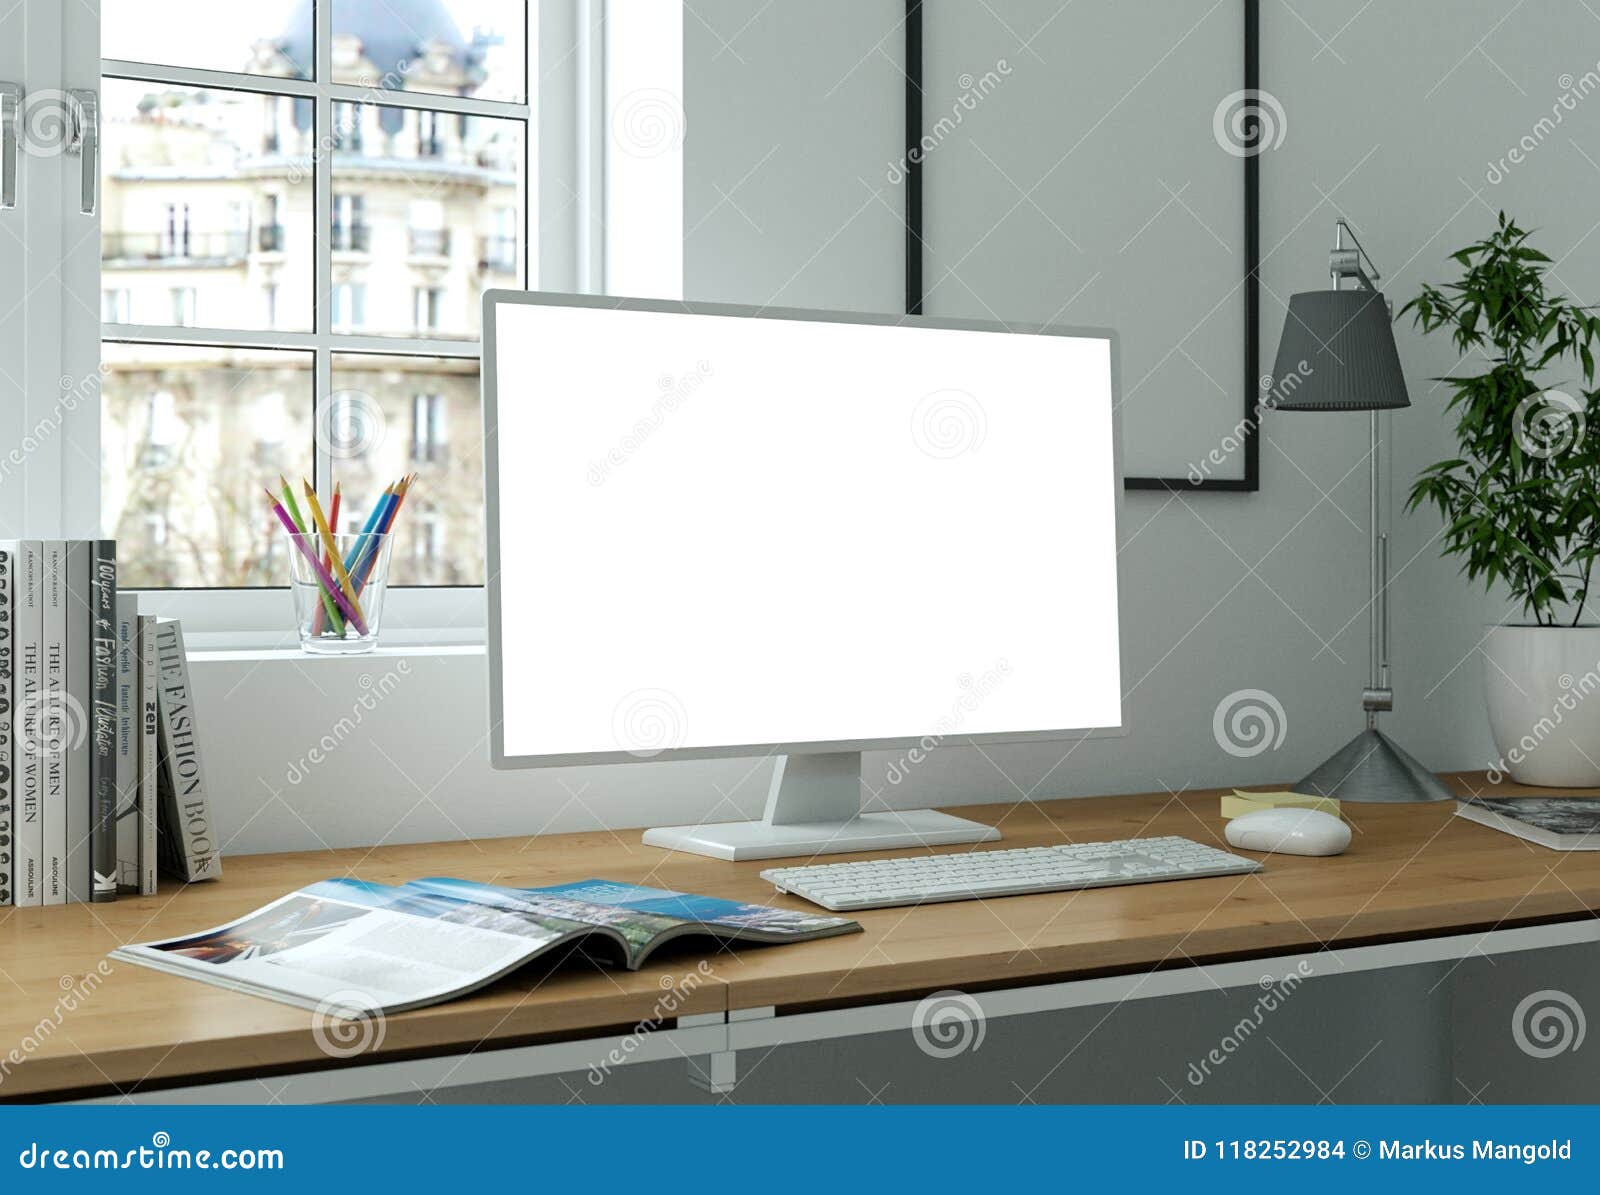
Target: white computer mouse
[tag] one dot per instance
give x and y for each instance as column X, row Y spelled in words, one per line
column 1289, row 832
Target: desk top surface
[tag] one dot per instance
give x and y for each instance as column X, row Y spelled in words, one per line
column 1411, row 872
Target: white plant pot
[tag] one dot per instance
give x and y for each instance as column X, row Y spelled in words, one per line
column 1542, row 685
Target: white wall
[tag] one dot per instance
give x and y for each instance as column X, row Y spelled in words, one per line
column 795, row 114
column 1394, row 111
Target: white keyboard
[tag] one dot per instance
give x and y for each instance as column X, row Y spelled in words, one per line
column 974, row 875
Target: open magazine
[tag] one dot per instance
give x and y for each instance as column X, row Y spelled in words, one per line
column 353, row 948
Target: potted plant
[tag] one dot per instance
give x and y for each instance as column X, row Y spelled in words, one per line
column 1521, row 500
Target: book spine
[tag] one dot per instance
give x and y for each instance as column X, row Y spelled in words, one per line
column 149, row 755
column 103, row 720
column 129, row 724
column 29, row 870
column 54, row 724
column 188, row 839
column 8, row 650
column 78, row 718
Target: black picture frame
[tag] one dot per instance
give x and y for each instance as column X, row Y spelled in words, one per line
column 916, row 247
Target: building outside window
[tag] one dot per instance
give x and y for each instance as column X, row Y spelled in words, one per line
column 303, row 201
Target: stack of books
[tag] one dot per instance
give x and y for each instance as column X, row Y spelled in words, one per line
column 101, row 782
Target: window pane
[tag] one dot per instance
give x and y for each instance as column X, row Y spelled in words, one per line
column 188, row 436
column 264, row 37
column 208, row 218
column 389, row 416
column 427, row 215
column 444, row 47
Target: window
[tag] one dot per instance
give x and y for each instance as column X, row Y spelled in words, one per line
column 114, row 306
column 498, row 253
column 430, row 234
column 349, row 306
column 270, row 238
column 183, row 306
column 430, row 135
column 302, row 230
column 347, row 126
column 428, row 434
column 175, row 240
column 429, row 301
column 349, row 224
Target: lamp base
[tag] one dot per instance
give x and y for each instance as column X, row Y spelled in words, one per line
column 1372, row 767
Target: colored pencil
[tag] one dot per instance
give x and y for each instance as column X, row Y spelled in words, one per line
column 328, row 583
column 333, row 522
column 294, row 507
column 299, row 524
column 368, row 528
column 366, row 552
column 400, row 492
column 333, row 550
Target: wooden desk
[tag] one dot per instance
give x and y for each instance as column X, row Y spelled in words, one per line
column 1412, row 872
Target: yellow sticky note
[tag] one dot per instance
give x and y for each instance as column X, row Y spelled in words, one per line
column 1242, row 802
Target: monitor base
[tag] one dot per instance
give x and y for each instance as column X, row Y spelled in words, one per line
column 865, row 832
column 814, row 808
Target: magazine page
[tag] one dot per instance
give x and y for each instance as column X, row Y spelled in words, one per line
column 780, row 924
column 645, row 915
column 351, row 947
column 638, row 927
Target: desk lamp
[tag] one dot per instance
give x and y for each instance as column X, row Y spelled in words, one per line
column 1345, row 339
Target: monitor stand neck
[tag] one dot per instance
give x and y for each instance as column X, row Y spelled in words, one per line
column 814, row 808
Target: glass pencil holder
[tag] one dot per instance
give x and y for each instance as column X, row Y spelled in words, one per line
column 338, row 605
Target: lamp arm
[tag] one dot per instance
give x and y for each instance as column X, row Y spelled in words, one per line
column 1347, row 263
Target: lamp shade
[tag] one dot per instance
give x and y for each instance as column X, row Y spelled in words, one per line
column 1337, row 353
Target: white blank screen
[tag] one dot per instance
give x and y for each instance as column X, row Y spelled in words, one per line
column 719, row 531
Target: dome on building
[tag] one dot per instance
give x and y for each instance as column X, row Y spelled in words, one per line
column 392, row 33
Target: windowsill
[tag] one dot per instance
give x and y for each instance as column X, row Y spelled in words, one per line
column 262, row 620
column 202, row 653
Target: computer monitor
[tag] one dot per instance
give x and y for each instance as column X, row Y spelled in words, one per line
column 732, row 531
